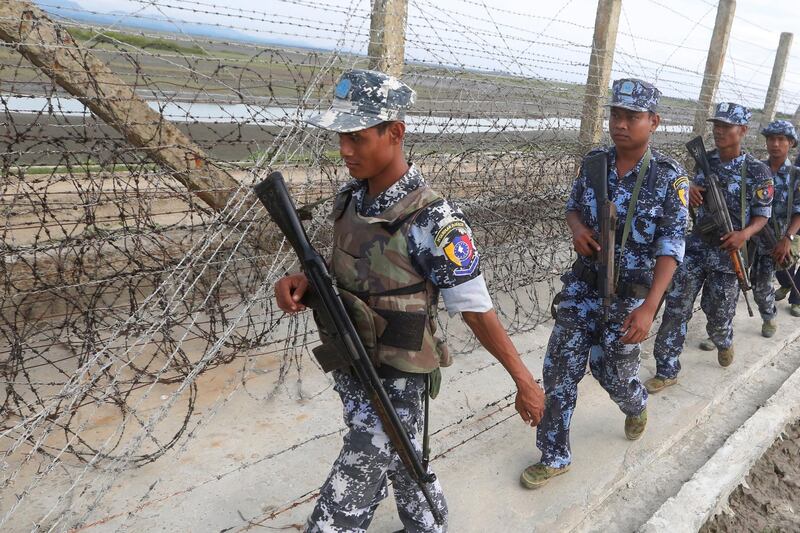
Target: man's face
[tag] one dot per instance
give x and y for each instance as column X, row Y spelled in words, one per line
column 367, row 152
column 728, row 135
column 778, row 146
column 631, row 129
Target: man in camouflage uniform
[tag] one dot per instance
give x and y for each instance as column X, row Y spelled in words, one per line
column 785, row 221
column 708, row 263
column 397, row 245
column 649, row 246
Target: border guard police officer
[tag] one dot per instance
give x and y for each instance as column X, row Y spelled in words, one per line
column 748, row 188
column 781, row 136
column 398, row 246
column 650, row 193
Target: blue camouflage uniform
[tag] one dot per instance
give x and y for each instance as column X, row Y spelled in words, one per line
column 442, row 250
column 658, row 229
column 708, row 266
column 763, row 266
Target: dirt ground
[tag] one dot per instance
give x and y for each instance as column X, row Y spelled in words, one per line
column 769, row 500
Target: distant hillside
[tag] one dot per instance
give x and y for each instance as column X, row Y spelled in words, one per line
column 73, row 10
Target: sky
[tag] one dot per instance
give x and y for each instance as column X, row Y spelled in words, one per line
column 663, row 41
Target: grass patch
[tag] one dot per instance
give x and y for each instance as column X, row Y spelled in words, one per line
column 139, row 41
column 78, row 169
column 293, row 159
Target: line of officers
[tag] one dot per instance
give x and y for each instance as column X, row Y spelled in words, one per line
column 403, row 248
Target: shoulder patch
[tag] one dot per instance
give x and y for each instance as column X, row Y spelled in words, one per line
column 765, row 191
column 460, row 251
column 681, row 186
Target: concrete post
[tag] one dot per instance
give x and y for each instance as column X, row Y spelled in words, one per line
column 387, row 36
column 49, row 46
column 778, row 71
column 796, row 118
column 597, row 81
column 714, row 62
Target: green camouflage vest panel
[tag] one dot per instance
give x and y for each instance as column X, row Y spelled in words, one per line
column 371, row 260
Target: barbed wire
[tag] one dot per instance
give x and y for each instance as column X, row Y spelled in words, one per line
column 122, row 292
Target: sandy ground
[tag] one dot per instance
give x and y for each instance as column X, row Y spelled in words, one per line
column 769, row 500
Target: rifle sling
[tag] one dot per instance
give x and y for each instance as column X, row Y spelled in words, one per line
column 626, row 230
column 790, row 201
column 743, row 202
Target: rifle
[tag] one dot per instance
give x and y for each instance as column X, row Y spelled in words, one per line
column 719, row 219
column 596, row 168
column 332, row 313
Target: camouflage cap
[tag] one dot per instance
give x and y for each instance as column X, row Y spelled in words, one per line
column 365, row 98
column 731, row 113
column 633, row 94
column 780, row 127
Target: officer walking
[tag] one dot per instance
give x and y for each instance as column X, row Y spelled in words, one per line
column 785, row 222
column 650, row 192
column 398, row 246
column 748, row 189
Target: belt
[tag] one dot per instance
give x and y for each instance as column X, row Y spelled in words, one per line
column 624, row 289
column 389, row 372
column 385, row 372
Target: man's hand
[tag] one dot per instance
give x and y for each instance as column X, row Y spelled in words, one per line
column 530, row 402
column 288, row 292
column 781, row 252
column 733, row 240
column 584, row 242
column 696, row 195
column 637, row 325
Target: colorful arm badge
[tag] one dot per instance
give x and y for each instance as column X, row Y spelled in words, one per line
column 460, row 251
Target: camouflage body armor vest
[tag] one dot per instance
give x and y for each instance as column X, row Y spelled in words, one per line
column 371, row 260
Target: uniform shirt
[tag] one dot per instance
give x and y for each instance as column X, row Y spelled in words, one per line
column 780, row 200
column 439, row 242
column 660, row 215
column 759, row 190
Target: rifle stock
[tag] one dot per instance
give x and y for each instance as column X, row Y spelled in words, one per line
column 274, row 195
column 717, row 209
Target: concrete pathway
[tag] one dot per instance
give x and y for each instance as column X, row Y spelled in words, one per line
column 257, row 460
